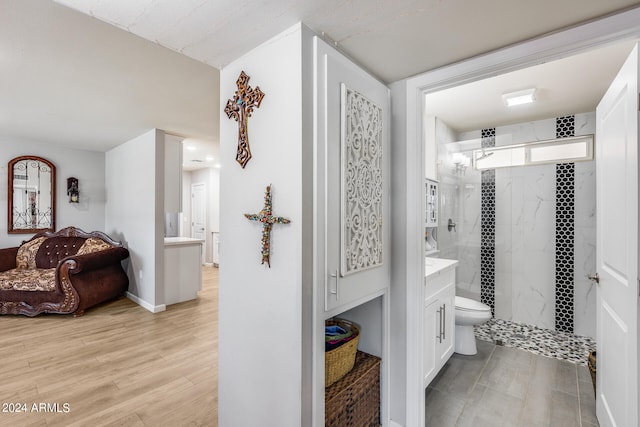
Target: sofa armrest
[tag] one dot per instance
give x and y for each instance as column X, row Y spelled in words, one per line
column 89, row 279
column 8, row 258
column 95, row 260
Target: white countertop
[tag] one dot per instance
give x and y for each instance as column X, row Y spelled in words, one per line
column 438, row 265
column 176, row 241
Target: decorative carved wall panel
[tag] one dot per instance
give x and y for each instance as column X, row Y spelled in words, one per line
column 361, row 183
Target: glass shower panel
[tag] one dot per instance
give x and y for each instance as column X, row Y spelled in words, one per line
column 479, row 203
column 460, row 201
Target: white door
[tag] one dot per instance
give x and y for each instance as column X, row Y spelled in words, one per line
column 617, row 249
column 199, row 214
column 348, row 179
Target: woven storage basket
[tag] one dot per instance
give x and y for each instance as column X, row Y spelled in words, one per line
column 354, row 400
column 339, row 361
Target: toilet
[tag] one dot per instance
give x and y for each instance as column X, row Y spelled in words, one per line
column 469, row 313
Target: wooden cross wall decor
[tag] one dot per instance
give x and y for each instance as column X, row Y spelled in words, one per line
column 240, row 108
column 265, row 216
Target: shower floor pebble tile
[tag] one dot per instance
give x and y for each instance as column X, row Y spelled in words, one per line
column 544, row 342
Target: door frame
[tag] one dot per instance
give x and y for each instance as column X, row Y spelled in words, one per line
column 408, row 171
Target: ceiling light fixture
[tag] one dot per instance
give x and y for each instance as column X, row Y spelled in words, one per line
column 520, row 97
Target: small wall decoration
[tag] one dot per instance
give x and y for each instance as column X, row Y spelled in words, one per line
column 72, row 190
column 361, row 183
column 240, row 108
column 265, row 216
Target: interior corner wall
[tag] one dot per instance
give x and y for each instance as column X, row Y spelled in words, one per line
column 400, row 180
column 312, row 333
column 87, row 166
column 135, row 213
column 260, row 309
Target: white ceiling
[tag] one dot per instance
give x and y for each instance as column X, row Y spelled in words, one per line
column 566, row 86
column 77, row 81
column 393, row 38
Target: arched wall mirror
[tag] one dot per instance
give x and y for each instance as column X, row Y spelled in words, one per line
column 31, row 195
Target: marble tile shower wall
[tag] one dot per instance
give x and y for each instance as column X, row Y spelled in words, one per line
column 527, row 256
column 525, row 231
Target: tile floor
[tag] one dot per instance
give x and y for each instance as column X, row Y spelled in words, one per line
column 502, row 386
column 559, row 345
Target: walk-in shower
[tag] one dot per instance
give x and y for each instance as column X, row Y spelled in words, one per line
column 524, row 234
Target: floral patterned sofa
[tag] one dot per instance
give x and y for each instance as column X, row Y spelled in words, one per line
column 63, row 272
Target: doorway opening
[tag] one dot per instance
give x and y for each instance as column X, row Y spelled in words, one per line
column 524, row 236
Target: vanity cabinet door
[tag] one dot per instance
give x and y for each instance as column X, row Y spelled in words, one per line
column 446, row 302
column 430, row 330
column 438, row 327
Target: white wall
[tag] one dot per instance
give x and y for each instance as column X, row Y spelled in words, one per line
column 135, row 213
column 87, row 166
column 261, row 379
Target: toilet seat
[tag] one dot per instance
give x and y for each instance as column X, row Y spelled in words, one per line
column 467, row 304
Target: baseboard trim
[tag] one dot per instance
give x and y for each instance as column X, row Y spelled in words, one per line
column 394, row 424
column 144, row 304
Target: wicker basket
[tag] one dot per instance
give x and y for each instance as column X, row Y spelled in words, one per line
column 339, row 361
column 354, row 400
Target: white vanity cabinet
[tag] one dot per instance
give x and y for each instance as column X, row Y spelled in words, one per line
column 438, row 322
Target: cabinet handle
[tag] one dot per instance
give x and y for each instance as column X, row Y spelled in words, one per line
column 337, row 291
column 444, row 321
column 441, row 321
column 439, row 336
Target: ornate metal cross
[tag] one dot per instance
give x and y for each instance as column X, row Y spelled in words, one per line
column 265, row 216
column 240, row 108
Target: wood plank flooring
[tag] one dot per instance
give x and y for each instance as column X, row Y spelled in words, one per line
column 118, row 365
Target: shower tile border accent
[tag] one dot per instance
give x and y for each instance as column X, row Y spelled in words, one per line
column 565, row 233
column 556, row 344
column 488, row 228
